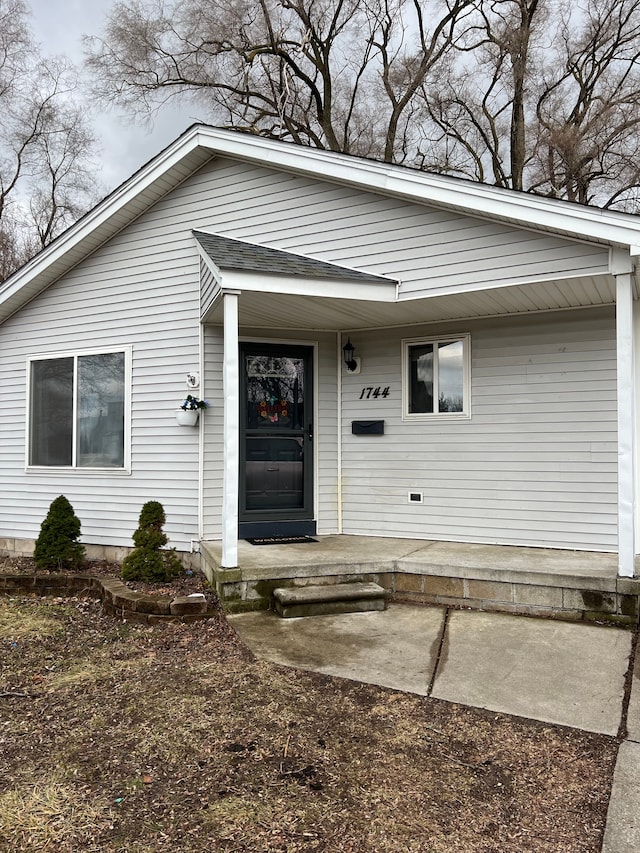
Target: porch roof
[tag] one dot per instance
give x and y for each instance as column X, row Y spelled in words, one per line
column 227, row 253
column 267, row 307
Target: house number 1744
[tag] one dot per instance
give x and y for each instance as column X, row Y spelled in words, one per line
column 374, row 393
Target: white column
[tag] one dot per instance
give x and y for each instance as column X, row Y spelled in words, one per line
column 231, row 438
column 626, row 425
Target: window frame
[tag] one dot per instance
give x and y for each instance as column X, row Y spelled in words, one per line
column 75, row 355
column 407, row 343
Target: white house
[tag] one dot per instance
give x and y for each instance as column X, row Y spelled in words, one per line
column 490, row 396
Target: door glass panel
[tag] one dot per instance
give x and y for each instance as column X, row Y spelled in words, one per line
column 274, row 472
column 276, row 458
column 275, row 393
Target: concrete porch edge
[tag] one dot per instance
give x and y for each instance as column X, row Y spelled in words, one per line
column 569, row 585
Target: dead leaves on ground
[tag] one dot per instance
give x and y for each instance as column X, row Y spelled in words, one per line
column 174, row 738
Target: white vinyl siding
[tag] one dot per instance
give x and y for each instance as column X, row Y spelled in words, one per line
column 142, row 289
column 535, row 465
column 209, row 288
column 213, row 432
column 426, row 249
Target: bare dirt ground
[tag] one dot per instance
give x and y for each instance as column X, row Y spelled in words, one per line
column 115, row 737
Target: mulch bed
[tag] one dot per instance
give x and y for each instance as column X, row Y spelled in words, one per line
column 185, row 584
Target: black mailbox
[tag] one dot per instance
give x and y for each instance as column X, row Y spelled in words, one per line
column 367, row 427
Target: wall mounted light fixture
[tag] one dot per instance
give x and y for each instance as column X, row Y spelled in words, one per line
column 348, row 350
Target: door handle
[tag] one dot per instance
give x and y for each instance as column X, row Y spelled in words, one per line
column 310, row 431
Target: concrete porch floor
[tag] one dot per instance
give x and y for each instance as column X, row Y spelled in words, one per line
column 534, row 581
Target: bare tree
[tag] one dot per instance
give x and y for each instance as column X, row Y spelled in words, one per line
column 15, row 247
column 336, row 74
column 536, row 95
column 45, row 145
column 476, row 121
column 588, row 110
column 543, row 97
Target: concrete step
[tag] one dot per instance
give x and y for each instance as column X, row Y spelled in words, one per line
column 328, row 599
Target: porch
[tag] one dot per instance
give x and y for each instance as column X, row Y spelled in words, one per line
column 575, row 585
column 539, row 445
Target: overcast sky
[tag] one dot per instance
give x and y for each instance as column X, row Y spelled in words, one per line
column 59, row 26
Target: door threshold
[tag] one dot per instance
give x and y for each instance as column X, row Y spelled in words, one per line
column 276, row 529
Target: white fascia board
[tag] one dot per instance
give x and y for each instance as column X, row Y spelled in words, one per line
column 580, row 221
column 299, row 286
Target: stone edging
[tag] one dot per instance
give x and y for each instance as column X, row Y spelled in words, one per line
column 117, row 599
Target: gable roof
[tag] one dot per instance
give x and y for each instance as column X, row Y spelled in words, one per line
column 230, row 254
column 200, row 143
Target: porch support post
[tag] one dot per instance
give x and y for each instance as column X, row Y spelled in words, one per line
column 626, row 422
column 231, row 438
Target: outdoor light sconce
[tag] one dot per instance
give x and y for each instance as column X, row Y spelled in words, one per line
column 352, row 364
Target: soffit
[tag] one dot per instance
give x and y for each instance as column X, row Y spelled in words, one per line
column 279, row 311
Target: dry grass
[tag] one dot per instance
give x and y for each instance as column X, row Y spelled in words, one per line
column 172, row 738
column 52, row 816
column 16, row 622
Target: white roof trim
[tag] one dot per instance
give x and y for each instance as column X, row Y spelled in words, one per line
column 213, row 268
column 524, row 209
column 308, row 286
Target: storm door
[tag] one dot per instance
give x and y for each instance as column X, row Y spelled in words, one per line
column 276, row 452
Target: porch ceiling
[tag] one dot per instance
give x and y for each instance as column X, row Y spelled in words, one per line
column 287, row 311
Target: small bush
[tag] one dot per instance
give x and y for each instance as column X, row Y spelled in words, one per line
column 149, row 561
column 57, row 546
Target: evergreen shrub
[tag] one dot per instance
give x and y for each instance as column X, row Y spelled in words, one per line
column 149, row 561
column 57, row 546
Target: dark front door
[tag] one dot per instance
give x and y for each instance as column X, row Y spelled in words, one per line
column 276, row 453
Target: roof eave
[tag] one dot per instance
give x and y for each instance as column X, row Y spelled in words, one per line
column 15, row 291
column 575, row 220
column 201, row 143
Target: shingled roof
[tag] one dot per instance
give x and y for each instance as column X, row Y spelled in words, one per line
column 230, row 254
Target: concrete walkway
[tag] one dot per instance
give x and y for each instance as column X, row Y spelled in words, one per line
column 622, row 834
column 570, row 674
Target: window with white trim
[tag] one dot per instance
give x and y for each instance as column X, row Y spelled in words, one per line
column 436, row 377
column 78, row 411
